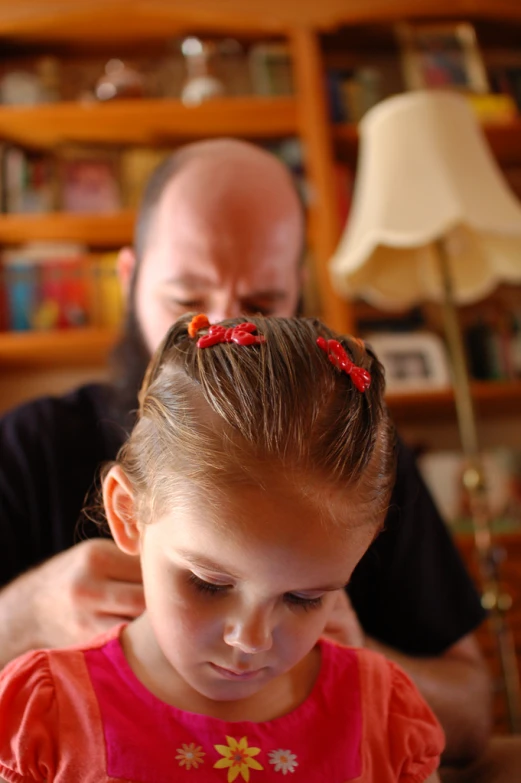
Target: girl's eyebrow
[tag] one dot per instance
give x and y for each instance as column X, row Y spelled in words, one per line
column 204, row 562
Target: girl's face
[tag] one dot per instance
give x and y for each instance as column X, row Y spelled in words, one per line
column 238, row 590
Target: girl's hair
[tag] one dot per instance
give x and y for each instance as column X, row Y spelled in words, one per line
column 229, row 413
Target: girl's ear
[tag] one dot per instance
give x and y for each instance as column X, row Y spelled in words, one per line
column 118, row 499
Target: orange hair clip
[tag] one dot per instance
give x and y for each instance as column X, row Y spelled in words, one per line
column 198, row 322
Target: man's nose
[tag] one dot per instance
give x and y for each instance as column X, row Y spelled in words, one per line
column 250, row 632
column 226, row 306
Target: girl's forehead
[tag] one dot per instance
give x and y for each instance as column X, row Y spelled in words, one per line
column 266, row 531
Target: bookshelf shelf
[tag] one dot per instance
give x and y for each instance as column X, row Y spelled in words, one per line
column 153, row 121
column 65, row 348
column 492, row 399
column 503, row 137
column 110, row 230
column 97, row 20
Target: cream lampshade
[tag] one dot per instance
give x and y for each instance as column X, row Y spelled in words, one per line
column 426, row 173
column 432, row 218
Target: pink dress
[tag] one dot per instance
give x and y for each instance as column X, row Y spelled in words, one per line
column 80, row 715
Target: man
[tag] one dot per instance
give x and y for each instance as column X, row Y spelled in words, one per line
column 220, row 231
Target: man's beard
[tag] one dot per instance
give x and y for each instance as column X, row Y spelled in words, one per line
column 128, row 363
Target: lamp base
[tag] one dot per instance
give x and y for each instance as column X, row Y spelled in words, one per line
column 493, row 600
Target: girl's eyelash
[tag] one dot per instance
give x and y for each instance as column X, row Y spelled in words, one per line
column 290, row 598
column 303, row 603
column 206, row 587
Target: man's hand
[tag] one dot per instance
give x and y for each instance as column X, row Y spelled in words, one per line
column 342, row 626
column 69, row 599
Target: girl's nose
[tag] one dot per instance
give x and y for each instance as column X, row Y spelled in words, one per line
column 250, row 635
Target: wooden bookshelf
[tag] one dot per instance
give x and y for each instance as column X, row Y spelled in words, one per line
column 504, row 139
column 164, row 122
column 110, row 230
column 152, row 122
column 491, row 398
column 66, row 347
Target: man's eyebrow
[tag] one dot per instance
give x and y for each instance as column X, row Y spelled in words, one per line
column 204, row 562
column 274, row 294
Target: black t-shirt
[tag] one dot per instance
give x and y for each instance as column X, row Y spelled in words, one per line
column 410, row 590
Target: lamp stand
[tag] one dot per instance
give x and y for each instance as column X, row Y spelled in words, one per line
column 489, row 557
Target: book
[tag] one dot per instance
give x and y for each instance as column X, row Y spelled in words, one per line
column 271, row 69
column 45, row 286
column 89, row 181
column 106, row 299
column 28, row 183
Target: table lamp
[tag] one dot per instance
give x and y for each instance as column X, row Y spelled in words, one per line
column 433, row 219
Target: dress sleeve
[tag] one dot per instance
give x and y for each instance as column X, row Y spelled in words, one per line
column 416, row 739
column 411, row 590
column 28, row 720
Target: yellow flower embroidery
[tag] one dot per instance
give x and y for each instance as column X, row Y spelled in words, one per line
column 190, row 756
column 238, row 757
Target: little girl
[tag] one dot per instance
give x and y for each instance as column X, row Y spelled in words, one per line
column 256, row 477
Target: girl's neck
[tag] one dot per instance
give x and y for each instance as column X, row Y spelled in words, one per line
column 279, row 697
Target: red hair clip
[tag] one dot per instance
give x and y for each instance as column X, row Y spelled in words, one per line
column 242, row 334
column 337, row 355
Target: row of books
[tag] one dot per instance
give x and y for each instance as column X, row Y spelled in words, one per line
column 58, row 286
column 353, row 92
column 74, row 179
column 94, row 180
column 494, row 346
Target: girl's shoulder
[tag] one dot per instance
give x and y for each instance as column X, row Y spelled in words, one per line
column 398, row 725
column 47, row 708
column 28, row 715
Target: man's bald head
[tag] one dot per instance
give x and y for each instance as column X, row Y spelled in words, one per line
column 222, row 174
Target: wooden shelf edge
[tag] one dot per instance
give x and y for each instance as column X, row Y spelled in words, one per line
column 491, row 398
column 67, row 347
column 102, row 19
column 95, row 230
column 148, row 121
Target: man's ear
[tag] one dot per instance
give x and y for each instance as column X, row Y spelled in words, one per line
column 118, row 499
column 126, row 266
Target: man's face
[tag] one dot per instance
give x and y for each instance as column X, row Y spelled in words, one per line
column 234, row 250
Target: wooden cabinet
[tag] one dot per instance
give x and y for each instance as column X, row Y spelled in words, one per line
column 37, row 26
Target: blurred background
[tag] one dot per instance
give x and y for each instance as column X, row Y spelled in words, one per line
column 93, row 95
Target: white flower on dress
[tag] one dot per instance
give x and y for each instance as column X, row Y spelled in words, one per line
column 283, row 760
column 190, row 756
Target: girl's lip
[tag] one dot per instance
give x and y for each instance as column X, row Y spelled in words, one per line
column 230, row 674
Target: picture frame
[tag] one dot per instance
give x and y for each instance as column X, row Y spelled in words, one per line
column 413, row 361
column 442, row 56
